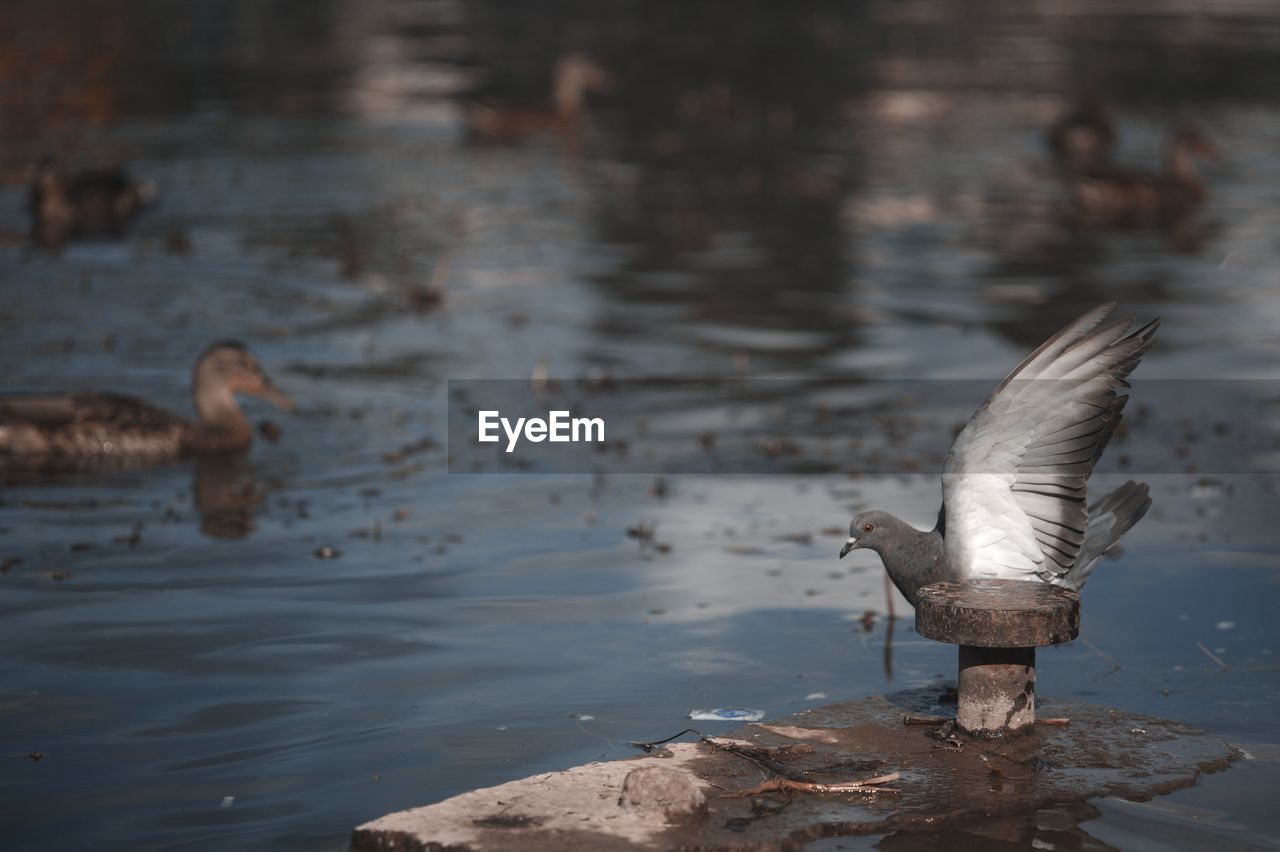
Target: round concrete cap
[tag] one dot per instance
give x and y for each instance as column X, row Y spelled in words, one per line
column 998, row 613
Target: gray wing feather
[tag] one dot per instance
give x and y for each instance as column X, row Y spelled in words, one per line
column 1040, row 433
column 1109, row 519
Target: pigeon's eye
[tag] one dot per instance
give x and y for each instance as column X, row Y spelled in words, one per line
column 868, row 527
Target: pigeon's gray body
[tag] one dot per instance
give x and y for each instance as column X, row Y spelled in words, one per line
column 1014, row 484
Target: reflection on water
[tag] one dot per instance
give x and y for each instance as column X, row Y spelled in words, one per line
column 738, row 173
column 226, row 496
column 815, row 195
column 1055, row 827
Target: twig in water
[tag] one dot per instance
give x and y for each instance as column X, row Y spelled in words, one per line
column 925, row 720
column 762, row 763
column 650, row 746
column 1212, row 656
column 1060, row 721
column 783, row 782
column 888, row 643
column 1103, row 655
column 867, row 785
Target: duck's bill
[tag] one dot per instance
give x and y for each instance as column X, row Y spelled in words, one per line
column 848, row 545
column 273, row 395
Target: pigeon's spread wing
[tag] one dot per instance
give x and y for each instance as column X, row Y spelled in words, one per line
column 1014, row 483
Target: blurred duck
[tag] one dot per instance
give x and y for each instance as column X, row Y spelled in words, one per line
column 93, row 203
column 93, row 427
column 573, row 76
column 1132, row 199
column 1082, row 138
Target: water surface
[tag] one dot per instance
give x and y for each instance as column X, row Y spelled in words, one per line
column 814, row 199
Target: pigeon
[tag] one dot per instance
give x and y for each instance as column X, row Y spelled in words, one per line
column 1014, row 482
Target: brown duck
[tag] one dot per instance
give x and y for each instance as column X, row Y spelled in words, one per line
column 96, row 427
column 67, row 206
column 573, row 76
column 1131, row 199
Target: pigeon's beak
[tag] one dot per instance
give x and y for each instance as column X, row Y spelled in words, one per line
column 848, row 545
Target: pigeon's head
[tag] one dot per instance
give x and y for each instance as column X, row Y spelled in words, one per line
column 866, row 530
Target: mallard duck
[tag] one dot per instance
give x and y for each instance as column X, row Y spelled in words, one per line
column 1082, row 138
column 92, row 203
column 1132, row 199
column 93, row 427
column 573, row 76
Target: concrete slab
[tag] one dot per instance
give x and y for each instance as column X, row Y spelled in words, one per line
column 707, row 796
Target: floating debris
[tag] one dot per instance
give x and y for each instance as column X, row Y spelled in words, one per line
column 727, row 714
column 1207, row 488
column 177, row 241
column 641, row 532
column 420, row 446
column 227, row 801
column 35, row 756
column 327, row 552
column 132, row 538
column 1212, row 656
column 776, row 447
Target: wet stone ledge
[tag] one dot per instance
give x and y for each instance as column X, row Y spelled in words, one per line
column 726, row 795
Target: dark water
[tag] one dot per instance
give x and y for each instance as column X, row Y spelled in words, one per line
column 848, row 193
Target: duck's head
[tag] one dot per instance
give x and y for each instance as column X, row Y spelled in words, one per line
column 47, row 175
column 225, row 369
column 1190, row 142
column 1083, row 137
column 574, row 76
